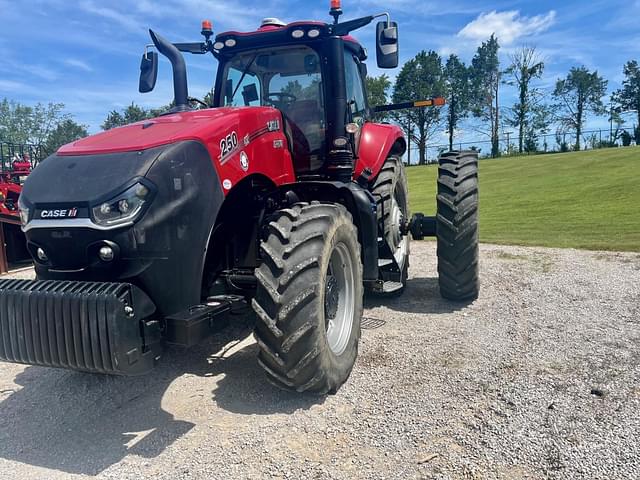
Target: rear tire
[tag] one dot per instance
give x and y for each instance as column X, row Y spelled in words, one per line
column 457, row 226
column 391, row 192
column 309, row 298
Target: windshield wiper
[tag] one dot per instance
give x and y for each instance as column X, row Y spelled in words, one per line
column 244, row 74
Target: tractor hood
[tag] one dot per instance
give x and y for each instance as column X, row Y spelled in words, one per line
column 194, row 125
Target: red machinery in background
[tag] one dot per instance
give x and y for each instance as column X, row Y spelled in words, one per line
column 16, row 163
column 11, row 180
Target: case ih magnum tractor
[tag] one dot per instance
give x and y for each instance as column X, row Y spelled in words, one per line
column 283, row 196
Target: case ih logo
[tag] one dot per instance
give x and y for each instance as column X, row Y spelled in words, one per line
column 62, row 213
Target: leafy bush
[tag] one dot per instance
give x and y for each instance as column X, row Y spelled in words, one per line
column 626, row 138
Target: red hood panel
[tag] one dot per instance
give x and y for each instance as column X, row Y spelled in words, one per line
column 194, row 125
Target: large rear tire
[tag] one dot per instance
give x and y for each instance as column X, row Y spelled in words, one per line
column 309, row 298
column 391, row 192
column 457, row 226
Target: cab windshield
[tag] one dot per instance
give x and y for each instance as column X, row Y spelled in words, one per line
column 289, row 79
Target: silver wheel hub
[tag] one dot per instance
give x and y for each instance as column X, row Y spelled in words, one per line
column 398, row 242
column 339, row 300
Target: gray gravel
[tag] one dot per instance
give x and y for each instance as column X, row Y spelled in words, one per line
column 539, row 378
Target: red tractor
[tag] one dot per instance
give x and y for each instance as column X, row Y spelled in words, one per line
column 283, row 196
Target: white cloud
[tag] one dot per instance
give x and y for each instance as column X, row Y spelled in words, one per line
column 124, row 20
column 507, row 26
column 74, row 62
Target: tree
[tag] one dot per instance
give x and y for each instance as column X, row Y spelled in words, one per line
column 526, row 66
column 458, row 94
column 628, row 97
column 485, row 78
column 65, row 132
column 133, row 113
column 23, row 124
column 377, row 88
column 579, row 94
column 419, row 79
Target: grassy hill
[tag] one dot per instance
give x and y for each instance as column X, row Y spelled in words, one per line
column 587, row 200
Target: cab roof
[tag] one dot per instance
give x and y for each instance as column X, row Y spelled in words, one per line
column 273, row 34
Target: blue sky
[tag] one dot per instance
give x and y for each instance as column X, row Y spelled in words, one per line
column 86, row 53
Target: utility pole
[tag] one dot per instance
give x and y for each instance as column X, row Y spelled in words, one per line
column 508, row 141
column 611, row 121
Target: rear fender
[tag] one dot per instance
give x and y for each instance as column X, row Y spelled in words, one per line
column 377, row 142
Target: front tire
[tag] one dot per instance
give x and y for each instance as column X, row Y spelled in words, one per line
column 309, row 298
column 457, row 226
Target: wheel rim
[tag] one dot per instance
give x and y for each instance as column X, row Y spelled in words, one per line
column 399, row 243
column 339, row 299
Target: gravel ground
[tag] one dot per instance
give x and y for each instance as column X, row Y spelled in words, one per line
column 539, row 378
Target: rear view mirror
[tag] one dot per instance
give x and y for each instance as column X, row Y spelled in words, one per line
column 387, row 52
column 250, row 94
column 148, row 72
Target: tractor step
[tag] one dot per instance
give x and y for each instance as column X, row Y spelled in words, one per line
column 190, row 327
column 387, row 287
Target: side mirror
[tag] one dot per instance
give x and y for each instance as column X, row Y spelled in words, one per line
column 148, row 72
column 250, row 94
column 387, row 52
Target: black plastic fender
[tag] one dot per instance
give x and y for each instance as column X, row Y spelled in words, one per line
column 360, row 204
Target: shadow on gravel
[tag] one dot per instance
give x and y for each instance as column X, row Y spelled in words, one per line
column 244, row 388
column 422, row 295
column 82, row 424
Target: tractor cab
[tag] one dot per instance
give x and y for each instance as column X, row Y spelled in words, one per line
column 312, row 72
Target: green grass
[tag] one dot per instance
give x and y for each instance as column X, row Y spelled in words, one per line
column 588, row 200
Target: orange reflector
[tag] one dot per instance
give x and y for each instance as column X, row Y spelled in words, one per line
column 423, row 103
column 207, row 25
column 336, row 4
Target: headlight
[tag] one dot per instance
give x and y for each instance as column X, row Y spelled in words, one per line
column 24, row 211
column 123, row 208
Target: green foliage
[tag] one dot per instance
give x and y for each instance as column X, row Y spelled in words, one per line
column 310, row 92
column 65, row 132
column 377, row 88
column 457, row 78
column 526, row 66
column 485, row 81
column 626, row 138
column 581, row 200
column 133, row 113
column 23, row 124
column 628, row 97
column 420, row 78
column 578, row 94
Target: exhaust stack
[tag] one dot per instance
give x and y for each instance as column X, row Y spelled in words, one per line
column 180, row 89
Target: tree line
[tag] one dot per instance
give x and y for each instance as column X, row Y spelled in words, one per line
column 44, row 125
column 472, row 92
column 473, row 95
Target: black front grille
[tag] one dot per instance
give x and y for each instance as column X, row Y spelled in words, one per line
column 89, row 326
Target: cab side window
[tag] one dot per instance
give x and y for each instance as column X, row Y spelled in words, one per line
column 355, row 88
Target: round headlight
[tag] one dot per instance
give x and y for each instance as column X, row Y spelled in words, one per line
column 106, row 253
column 230, row 42
column 218, row 45
column 297, row 34
column 315, row 33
